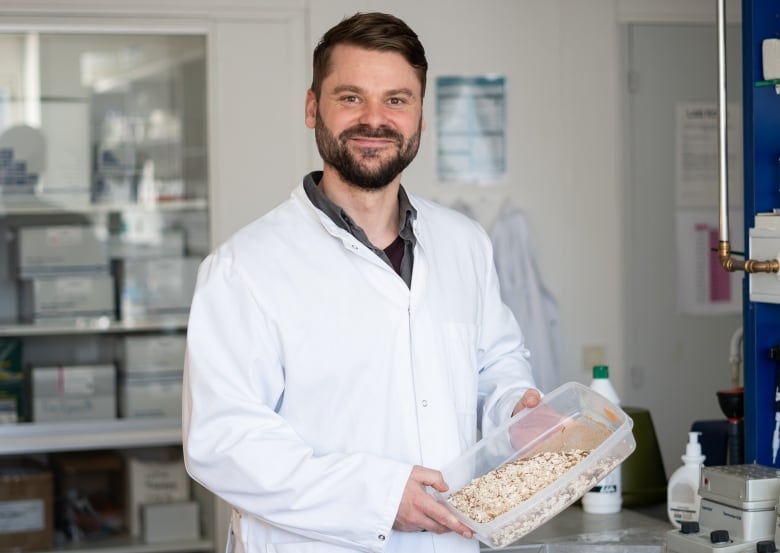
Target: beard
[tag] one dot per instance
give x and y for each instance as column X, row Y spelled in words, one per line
column 352, row 167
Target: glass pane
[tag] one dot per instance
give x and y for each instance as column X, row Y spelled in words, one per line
column 99, row 118
column 104, row 177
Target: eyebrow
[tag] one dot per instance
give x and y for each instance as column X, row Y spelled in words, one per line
column 393, row 92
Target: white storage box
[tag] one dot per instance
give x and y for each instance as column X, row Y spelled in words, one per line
column 154, row 354
column 61, row 249
column 570, row 417
column 150, row 396
column 74, row 392
column 155, row 287
column 152, row 482
column 67, row 297
column 167, row 522
column 168, row 243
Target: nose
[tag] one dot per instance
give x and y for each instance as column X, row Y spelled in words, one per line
column 372, row 114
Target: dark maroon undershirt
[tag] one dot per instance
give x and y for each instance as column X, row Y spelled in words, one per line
column 395, row 252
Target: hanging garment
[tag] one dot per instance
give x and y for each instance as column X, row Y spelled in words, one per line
column 523, row 291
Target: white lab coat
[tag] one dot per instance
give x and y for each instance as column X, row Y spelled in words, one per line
column 523, row 290
column 315, row 378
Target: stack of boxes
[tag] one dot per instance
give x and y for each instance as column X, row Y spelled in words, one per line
column 151, row 376
column 155, row 277
column 64, row 273
column 158, row 499
column 83, row 273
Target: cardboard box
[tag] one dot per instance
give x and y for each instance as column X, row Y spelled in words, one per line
column 90, row 493
column 151, row 482
column 61, row 249
column 167, row 522
column 155, row 287
column 150, row 396
column 68, row 297
column 75, row 392
column 26, row 508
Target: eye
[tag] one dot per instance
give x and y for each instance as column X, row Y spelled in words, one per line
column 350, row 99
column 396, row 101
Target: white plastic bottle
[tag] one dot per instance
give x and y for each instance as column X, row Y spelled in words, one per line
column 606, row 496
column 682, row 494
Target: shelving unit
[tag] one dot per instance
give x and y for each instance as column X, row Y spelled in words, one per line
column 137, row 94
column 31, row 438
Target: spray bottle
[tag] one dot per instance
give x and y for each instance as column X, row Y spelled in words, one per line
column 682, row 496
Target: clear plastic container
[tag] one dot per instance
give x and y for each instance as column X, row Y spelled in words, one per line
column 570, row 417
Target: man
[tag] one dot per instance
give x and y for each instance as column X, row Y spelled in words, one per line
column 348, row 344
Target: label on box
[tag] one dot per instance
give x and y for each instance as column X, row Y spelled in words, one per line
column 25, row 515
column 77, row 381
column 57, row 237
column 73, row 287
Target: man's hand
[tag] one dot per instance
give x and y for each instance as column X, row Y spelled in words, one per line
column 531, row 398
column 419, row 511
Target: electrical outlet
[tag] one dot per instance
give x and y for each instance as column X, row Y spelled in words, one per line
column 593, row 354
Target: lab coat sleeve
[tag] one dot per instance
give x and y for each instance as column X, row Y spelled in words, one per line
column 237, row 446
column 505, row 371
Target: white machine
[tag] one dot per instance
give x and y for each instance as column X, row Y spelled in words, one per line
column 738, row 512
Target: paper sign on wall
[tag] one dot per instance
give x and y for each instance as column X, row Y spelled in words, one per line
column 471, row 133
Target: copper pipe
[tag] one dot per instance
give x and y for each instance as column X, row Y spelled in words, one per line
column 724, row 249
column 747, row 265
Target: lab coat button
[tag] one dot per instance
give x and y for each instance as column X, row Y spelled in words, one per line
column 381, row 537
column 425, row 403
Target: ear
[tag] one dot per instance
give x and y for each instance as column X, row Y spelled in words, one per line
column 310, row 109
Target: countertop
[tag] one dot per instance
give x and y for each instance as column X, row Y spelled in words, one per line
column 575, row 531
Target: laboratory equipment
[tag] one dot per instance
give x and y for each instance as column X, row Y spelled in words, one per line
column 732, row 403
column 737, row 513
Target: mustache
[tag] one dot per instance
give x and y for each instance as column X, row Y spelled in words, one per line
column 366, row 131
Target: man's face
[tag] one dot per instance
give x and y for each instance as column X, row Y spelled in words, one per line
column 368, row 119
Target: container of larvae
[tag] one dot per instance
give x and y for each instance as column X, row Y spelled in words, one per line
column 538, row 463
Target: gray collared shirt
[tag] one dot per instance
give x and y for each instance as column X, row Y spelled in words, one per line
column 407, row 215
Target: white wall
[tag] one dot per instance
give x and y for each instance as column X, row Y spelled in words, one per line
column 560, row 61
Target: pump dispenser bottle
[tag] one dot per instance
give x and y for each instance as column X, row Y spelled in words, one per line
column 606, row 496
column 682, row 496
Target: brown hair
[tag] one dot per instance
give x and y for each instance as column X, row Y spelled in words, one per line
column 372, row 31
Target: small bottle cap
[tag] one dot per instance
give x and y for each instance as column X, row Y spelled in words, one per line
column 600, row 371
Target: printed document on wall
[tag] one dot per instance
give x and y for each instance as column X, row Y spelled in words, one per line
column 471, row 129
column 698, row 183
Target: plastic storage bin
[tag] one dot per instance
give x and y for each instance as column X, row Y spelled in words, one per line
column 570, row 417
